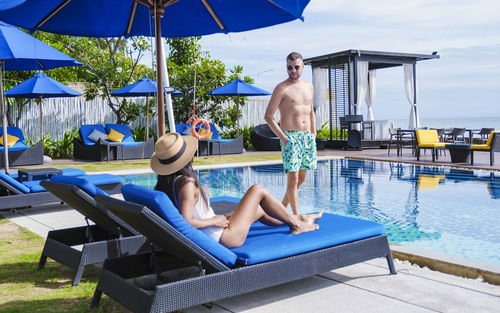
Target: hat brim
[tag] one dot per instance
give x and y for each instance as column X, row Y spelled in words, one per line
column 167, row 169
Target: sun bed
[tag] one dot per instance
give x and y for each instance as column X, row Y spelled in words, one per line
column 215, row 145
column 20, row 153
column 132, row 149
column 263, row 139
column 80, row 246
column 14, row 194
column 207, row 271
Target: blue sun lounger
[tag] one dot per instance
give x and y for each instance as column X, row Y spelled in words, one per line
column 14, row 194
column 193, row 269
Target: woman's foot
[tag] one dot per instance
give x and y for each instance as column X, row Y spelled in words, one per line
column 310, row 218
column 302, row 227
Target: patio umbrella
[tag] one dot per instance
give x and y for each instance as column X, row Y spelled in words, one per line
column 22, row 52
column 238, row 88
column 182, row 18
column 41, row 86
column 145, row 87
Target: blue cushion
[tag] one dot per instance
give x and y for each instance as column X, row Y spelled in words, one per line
column 85, row 131
column 102, row 179
column 14, row 183
column 34, row 185
column 72, row 171
column 160, row 203
column 122, row 129
column 225, row 198
column 266, row 243
column 16, row 147
column 81, row 182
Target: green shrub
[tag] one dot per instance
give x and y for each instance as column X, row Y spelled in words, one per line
column 245, row 131
column 324, row 132
column 139, row 133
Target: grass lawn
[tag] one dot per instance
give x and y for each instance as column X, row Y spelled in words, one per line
column 24, row 288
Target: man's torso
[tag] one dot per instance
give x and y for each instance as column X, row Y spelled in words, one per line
column 295, row 106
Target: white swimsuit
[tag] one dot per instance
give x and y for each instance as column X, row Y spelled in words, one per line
column 203, row 211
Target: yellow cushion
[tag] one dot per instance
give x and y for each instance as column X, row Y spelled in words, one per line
column 202, row 131
column 11, row 140
column 480, row 147
column 210, row 134
column 432, row 145
column 490, row 138
column 115, row 136
column 426, row 136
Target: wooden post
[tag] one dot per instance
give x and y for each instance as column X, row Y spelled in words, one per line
column 157, row 12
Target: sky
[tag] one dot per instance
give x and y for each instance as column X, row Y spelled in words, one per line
column 463, row 82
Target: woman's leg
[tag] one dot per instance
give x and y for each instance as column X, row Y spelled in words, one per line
column 248, row 211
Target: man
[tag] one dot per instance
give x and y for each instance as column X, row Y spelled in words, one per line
column 297, row 130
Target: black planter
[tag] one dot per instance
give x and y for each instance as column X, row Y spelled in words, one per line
column 320, row 143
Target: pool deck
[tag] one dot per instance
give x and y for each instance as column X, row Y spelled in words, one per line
column 364, row 287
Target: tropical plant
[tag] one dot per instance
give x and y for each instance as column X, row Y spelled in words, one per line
column 63, row 147
column 245, row 131
column 139, row 133
column 324, row 132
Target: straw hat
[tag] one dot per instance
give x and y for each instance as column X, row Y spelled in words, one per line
column 172, row 153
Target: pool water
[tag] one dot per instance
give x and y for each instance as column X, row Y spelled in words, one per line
column 450, row 211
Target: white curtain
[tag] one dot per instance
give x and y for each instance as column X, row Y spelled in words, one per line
column 414, row 121
column 370, row 94
column 320, row 100
column 362, row 85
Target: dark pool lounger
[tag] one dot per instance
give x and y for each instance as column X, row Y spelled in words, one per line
column 16, row 195
column 109, row 237
column 270, row 255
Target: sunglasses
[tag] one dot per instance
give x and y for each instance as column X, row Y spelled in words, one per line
column 297, row 67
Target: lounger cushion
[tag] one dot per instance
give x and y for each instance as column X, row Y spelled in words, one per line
column 266, row 243
column 102, row 179
column 34, row 186
column 72, row 171
column 86, row 130
column 95, row 135
column 122, row 129
column 81, row 182
column 160, row 203
column 115, row 136
column 14, row 183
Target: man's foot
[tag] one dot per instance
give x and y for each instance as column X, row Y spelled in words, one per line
column 310, row 218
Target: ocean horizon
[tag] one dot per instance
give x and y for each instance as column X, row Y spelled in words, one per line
column 461, row 122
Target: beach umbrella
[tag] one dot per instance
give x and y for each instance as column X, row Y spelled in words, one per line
column 41, row 86
column 238, row 88
column 182, row 18
column 22, row 52
column 145, row 87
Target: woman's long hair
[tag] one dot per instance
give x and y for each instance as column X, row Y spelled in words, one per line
column 171, row 184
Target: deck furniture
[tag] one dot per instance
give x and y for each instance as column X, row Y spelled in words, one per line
column 14, row 194
column 20, row 153
column 132, row 149
column 206, row 271
column 483, row 133
column 428, row 139
column 459, row 152
column 456, row 135
column 214, row 145
column 393, row 133
column 28, row 174
column 491, row 146
column 92, row 244
column 263, row 138
column 405, row 138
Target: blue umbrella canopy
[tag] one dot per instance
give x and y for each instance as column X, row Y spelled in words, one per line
column 22, row 52
column 111, row 18
column 238, row 88
column 41, row 86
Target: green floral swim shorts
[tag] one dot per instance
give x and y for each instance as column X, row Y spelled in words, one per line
column 299, row 152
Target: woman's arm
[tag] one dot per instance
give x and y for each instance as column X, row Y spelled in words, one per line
column 187, row 198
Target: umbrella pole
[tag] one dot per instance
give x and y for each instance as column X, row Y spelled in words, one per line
column 158, row 14
column 147, row 118
column 238, row 116
column 4, row 125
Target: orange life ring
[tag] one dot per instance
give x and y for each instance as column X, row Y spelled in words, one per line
column 207, row 127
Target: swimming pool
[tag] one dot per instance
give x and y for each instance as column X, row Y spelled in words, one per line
column 446, row 210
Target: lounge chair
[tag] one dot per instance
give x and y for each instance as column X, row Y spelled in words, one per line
column 132, row 149
column 214, row 145
column 492, row 145
column 14, row 194
column 428, row 139
column 20, row 153
column 263, row 139
column 209, row 271
column 80, row 246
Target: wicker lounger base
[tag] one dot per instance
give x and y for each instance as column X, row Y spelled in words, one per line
column 114, row 280
column 59, row 246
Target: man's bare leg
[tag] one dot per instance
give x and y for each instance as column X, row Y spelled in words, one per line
column 297, row 179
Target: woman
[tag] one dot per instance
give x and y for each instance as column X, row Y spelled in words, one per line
column 172, row 162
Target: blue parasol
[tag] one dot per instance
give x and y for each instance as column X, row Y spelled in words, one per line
column 238, row 88
column 112, row 18
column 41, row 86
column 22, row 52
column 145, row 87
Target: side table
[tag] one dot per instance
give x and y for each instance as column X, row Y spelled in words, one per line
column 459, row 153
column 114, row 147
column 28, row 174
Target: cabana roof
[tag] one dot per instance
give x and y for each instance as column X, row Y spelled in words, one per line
column 376, row 59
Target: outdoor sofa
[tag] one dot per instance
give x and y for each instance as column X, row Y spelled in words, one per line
column 94, row 146
column 263, row 139
column 20, row 153
column 215, row 145
column 91, row 244
column 14, row 194
column 193, row 269
column 492, row 145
